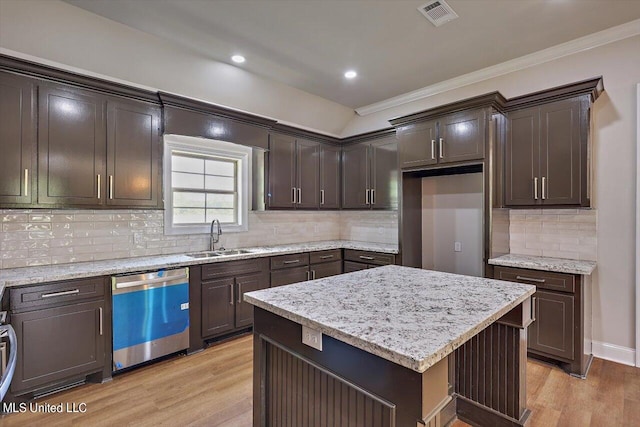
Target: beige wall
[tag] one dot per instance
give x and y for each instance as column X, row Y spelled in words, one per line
column 614, row 125
column 73, row 37
column 452, row 212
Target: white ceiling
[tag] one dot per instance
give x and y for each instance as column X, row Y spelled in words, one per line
column 308, row 44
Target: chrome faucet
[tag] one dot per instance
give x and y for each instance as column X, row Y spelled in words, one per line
column 214, row 237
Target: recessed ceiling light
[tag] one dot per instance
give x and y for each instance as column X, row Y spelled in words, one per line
column 238, row 59
column 350, row 74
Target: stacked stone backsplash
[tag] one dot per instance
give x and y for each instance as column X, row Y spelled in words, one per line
column 558, row 233
column 42, row 237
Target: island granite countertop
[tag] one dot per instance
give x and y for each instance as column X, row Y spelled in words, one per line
column 559, row 265
column 409, row 316
column 52, row 273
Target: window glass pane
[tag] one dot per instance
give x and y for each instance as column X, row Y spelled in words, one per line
column 188, row 216
column 187, row 180
column 223, row 215
column 221, row 200
column 220, row 183
column 187, row 164
column 218, row 167
column 188, row 200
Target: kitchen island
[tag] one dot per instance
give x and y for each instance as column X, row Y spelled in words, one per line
column 383, row 350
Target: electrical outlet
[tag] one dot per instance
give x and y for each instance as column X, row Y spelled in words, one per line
column 312, row 338
column 457, row 247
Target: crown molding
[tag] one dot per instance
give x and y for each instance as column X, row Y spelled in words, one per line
column 590, row 41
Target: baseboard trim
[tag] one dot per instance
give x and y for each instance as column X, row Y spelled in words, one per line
column 614, row 353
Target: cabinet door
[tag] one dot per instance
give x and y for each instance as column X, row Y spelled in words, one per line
column 286, row 276
column 58, row 343
column 217, row 306
column 522, row 158
column 71, row 147
column 329, row 176
column 552, row 331
column 282, row 172
column 461, row 137
column 248, row 283
column 133, row 154
column 350, row 266
column 560, row 153
column 17, row 139
column 355, row 176
column 384, row 174
column 307, row 173
column 326, row 269
column 417, row 145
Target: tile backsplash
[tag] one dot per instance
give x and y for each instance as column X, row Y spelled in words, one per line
column 42, row 237
column 559, row 233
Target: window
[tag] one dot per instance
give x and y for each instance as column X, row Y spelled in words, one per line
column 205, row 180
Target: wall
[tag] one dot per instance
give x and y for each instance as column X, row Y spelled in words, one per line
column 75, row 39
column 614, row 127
column 42, row 237
column 452, row 209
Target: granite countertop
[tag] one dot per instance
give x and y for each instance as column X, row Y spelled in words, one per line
column 409, row 316
column 559, row 265
column 51, row 273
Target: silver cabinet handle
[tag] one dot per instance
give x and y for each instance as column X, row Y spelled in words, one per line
column 100, row 310
column 373, row 196
column 231, row 296
column 239, row 292
column 26, row 182
column 293, row 195
column 59, row 294
column 530, row 279
column 433, row 149
column 313, row 275
column 326, row 256
column 367, row 196
column 544, row 194
column 294, row 261
column 442, row 148
column 308, row 275
column 533, row 309
column 111, row 187
column 322, row 197
column 370, row 258
column 535, row 188
column 7, row 375
column 98, row 186
column 299, row 195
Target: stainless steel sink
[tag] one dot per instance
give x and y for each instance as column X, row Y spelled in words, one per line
column 211, row 254
column 233, row 252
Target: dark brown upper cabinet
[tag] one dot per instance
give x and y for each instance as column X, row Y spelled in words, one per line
column 452, row 138
column 330, row 176
column 17, row 139
column 294, row 167
column 370, row 174
column 546, row 154
column 133, row 154
column 71, row 147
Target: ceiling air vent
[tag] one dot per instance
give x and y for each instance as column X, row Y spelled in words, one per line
column 438, row 12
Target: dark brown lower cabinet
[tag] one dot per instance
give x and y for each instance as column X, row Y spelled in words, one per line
column 63, row 332
column 216, row 297
column 561, row 330
column 288, row 269
column 355, row 260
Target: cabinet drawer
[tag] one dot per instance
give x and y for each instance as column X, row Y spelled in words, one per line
column 287, row 261
column 325, row 256
column 542, row 279
column 369, row 257
column 234, row 268
column 52, row 294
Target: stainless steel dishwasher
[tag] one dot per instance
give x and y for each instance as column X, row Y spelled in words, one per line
column 150, row 316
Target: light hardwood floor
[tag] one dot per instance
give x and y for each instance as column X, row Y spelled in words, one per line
column 214, row 387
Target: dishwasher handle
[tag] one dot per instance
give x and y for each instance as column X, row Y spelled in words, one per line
column 172, row 279
column 7, row 376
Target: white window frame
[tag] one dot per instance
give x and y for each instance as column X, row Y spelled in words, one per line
column 208, row 147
